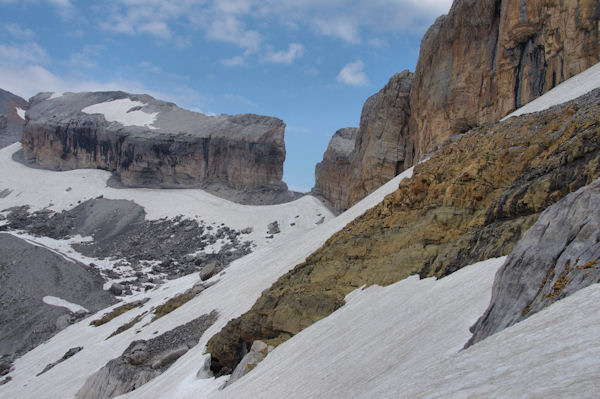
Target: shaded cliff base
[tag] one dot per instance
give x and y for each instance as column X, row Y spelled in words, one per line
column 259, row 196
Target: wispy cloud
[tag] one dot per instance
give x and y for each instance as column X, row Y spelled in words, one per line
column 23, row 53
column 294, row 51
column 352, row 74
column 18, row 32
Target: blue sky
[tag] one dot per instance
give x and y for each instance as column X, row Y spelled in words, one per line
column 311, row 63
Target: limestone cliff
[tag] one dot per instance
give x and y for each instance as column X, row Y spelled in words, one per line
column 488, row 57
column 380, row 148
column 471, row 201
column 333, row 173
column 11, row 122
column 477, row 64
column 559, row 255
column 148, row 142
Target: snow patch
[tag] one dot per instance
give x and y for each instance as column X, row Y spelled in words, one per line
column 570, row 89
column 21, row 113
column 55, row 95
column 55, row 301
column 121, row 111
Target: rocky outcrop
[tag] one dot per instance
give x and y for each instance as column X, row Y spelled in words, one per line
column 486, row 58
column 559, row 255
column 477, row 64
column 151, row 143
column 144, row 360
column 471, row 201
column 382, row 147
column 359, row 161
column 11, row 122
column 334, row 171
column 257, row 354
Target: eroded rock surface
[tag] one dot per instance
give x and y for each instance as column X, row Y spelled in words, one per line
column 558, row 255
column 334, row 172
column 144, row 360
column 152, row 143
column 471, row 201
column 382, row 147
column 11, row 123
column 486, row 58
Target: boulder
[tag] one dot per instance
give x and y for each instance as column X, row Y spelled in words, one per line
column 557, row 256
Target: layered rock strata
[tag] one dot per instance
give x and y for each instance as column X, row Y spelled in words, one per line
column 334, row 171
column 477, row 64
column 559, row 255
column 149, row 143
column 12, row 110
column 471, row 201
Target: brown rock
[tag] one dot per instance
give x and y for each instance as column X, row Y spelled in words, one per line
column 334, row 171
column 471, row 201
column 487, row 58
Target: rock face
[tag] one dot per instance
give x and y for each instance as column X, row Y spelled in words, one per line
column 477, row 64
column 558, row 255
column 471, row 201
column 144, row 360
column 333, row 173
column 489, row 57
column 382, row 146
column 11, row 122
column 151, row 143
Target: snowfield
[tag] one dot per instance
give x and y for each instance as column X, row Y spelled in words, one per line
column 403, row 340
column 121, row 111
column 21, row 113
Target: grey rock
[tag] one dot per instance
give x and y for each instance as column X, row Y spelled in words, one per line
column 169, row 357
column 210, row 269
column 116, row 289
column 11, row 124
column 557, row 256
column 273, row 228
column 70, row 353
column 180, row 149
column 120, row 375
column 257, row 353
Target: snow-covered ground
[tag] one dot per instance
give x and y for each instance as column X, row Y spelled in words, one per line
column 121, row 111
column 234, row 294
column 55, row 301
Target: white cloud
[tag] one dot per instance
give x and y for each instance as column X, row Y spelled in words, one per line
column 294, row 51
column 229, row 29
column 19, row 33
column 237, row 60
column 353, row 74
column 20, row 54
column 87, row 57
column 341, row 28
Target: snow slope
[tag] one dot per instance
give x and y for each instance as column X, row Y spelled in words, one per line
column 121, row 111
column 233, row 295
